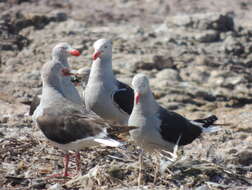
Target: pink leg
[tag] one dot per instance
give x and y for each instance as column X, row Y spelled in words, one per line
column 66, row 161
column 78, row 164
column 65, row 173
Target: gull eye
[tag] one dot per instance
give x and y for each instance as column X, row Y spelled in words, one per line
column 105, row 46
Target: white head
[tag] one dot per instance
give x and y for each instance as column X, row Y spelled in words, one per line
column 140, row 84
column 63, row 50
column 52, row 71
column 102, row 49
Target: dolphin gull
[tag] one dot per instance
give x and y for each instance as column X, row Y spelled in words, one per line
column 106, row 96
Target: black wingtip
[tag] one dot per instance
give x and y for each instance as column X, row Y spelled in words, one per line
column 207, row 121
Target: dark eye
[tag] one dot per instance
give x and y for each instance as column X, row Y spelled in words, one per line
column 105, row 46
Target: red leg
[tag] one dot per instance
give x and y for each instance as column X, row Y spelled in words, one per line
column 66, row 161
column 65, row 173
column 78, row 164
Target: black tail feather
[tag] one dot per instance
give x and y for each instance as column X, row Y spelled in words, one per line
column 207, row 121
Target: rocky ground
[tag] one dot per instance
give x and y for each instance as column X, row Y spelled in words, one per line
column 197, row 54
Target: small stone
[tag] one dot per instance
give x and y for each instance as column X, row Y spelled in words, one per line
column 56, row 186
column 14, row 61
column 244, row 158
column 203, row 21
column 170, row 75
column 202, row 187
column 61, row 16
column 4, row 119
column 207, row 36
column 38, row 184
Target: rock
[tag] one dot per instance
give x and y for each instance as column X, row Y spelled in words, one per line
column 205, row 95
column 248, row 63
column 225, row 79
column 203, row 21
column 20, row 1
column 34, row 75
column 12, row 64
column 56, row 186
column 233, row 46
column 207, row 36
column 244, row 158
column 14, row 61
column 179, row 21
column 170, row 75
column 60, row 16
column 197, row 73
column 202, row 187
column 4, row 118
column 10, row 39
column 38, row 21
column 222, row 23
column 161, row 62
column 116, row 172
column 150, row 63
column 38, row 184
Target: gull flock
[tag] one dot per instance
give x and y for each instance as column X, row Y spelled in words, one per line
column 106, row 109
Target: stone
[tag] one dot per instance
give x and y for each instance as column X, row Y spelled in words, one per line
column 244, row 158
column 203, row 21
column 207, row 36
column 170, row 75
column 233, row 46
column 202, row 187
column 56, row 186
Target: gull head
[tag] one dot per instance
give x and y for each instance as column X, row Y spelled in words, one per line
column 64, row 50
column 140, row 84
column 102, row 49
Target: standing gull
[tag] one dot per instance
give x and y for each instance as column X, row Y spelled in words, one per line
column 60, row 54
column 66, row 124
column 106, row 96
column 160, row 130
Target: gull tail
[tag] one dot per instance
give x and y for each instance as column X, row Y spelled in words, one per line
column 109, row 142
column 211, row 129
column 207, row 121
column 208, row 124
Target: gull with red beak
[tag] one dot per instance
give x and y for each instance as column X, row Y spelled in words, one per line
column 60, row 53
column 160, row 130
column 68, row 125
column 106, row 96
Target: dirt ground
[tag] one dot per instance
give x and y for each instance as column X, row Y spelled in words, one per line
column 197, row 55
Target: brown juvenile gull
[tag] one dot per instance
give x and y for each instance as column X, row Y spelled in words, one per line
column 160, row 130
column 66, row 124
column 60, row 54
column 104, row 94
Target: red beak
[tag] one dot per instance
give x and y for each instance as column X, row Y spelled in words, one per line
column 74, row 52
column 66, row 72
column 96, row 55
column 137, row 97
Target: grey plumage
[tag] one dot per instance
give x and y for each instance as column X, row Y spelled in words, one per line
column 160, row 129
column 60, row 54
column 106, row 96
